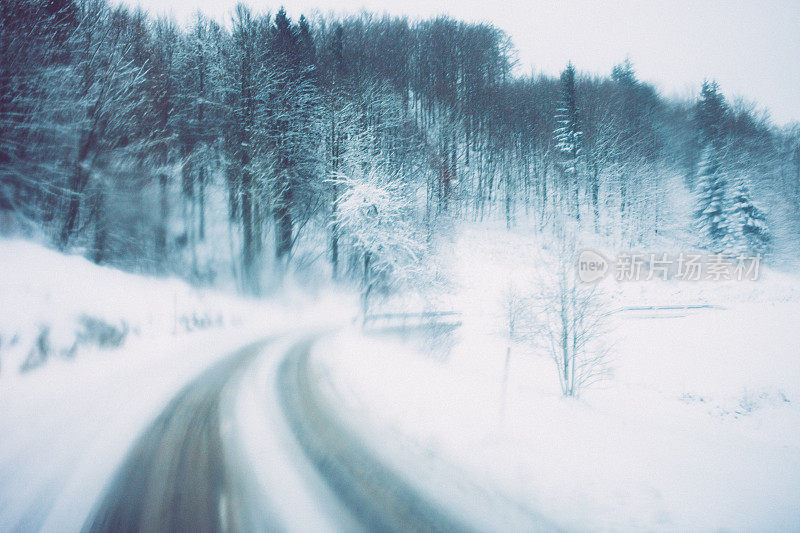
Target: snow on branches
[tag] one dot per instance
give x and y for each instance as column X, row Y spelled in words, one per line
column 375, row 217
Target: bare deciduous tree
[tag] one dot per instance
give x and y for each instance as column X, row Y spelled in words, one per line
column 568, row 316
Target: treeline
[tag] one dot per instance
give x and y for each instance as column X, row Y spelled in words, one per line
column 266, row 145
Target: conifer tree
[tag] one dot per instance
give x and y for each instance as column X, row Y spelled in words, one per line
column 749, row 225
column 568, row 136
column 711, row 213
column 710, row 114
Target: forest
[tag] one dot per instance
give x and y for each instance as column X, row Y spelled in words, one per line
column 368, row 272
column 244, row 151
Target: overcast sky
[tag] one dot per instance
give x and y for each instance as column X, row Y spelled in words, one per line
column 752, row 48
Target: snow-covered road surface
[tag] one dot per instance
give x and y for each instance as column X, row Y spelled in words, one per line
column 251, row 445
column 379, row 498
column 175, row 477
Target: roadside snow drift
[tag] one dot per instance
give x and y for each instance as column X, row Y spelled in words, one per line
column 697, row 428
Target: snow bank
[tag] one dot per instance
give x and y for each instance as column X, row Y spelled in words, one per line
column 55, row 306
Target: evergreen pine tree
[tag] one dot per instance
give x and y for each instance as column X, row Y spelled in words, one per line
column 711, row 213
column 305, row 42
column 568, row 135
column 710, row 112
column 710, row 115
column 749, row 224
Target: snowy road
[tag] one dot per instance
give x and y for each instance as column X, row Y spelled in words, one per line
column 252, row 445
column 175, row 477
column 379, row 498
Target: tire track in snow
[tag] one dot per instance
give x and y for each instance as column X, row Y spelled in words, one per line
column 379, row 498
column 174, row 479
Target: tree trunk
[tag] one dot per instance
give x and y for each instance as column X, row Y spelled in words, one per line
column 161, row 230
column 367, row 286
column 80, row 177
column 201, row 193
column 77, row 183
column 283, row 225
column 596, row 201
column 100, row 229
column 248, row 252
column 335, row 236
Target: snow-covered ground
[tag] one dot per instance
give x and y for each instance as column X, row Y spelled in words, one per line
column 67, row 421
column 697, row 428
column 58, row 308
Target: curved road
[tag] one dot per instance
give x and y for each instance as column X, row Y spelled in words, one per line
column 380, row 499
column 174, row 479
column 179, row 476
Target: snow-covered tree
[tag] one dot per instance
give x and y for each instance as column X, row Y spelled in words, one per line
column 711, row 213
column 375, row 217
column 710, row 112
column 293, row 128
column 568, row 137
column 748, row 224
column 121, row 134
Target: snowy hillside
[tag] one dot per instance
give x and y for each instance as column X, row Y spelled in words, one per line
column 58, row 308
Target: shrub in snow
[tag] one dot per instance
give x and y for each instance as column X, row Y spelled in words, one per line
column 89, row 332
column 516, row 306
column 40, row 350
column 60, row 306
